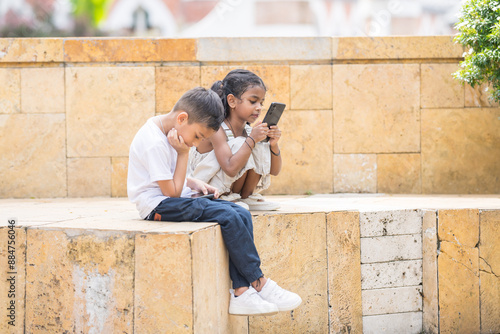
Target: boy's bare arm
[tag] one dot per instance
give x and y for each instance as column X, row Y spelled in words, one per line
column 173, row 188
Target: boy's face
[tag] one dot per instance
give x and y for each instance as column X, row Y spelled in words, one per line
column 192, row 133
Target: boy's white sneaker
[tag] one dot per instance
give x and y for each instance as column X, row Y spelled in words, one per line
column 285, row 300
column 250, row 303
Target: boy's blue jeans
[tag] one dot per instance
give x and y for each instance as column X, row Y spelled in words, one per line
column 236, row 226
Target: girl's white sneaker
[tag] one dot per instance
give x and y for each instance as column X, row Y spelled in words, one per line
column 284, row 299
column 258, row 203
column 250, row 303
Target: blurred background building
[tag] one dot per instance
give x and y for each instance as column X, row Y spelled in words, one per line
column 227, row 18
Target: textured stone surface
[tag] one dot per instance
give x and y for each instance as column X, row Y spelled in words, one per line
column 372, row 114
column 489, row 267
column 89, row 177
column 293, row 253
column 119, row 170
column 31, row 50
column 10, row 90
column 407, row 47
column 85, row 283
column 460, row 151
column 303, row 152
column 106, row 106
column 355, row 173
column 42, row 90
column 275, row 77
column 17, row 242
column 344, row 272
column 479, row 96
column 399, row 173
column 408, row 323
column 439, row 88
column 458, row 277
column 391, row 274
column 128, row 49
column 249, row 49
column 429, row 265
column 33, row 160
column 391, row 248
column 163, row 272
column 459, row 226
column 311, row 87
column 172, row 82
column 392, row 300
column 382, row 223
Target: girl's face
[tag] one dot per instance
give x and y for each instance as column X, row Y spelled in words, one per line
column 249, row 105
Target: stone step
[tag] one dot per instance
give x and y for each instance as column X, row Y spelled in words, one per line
column 91, row 266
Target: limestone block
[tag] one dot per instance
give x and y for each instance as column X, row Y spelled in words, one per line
column 106, row 106
column 479, row 96
column 429, row 265
column 163, row 273
column 275, row 77
column 407, row 47
column 460, row 151
column 391, row 274
column 33, row 159
column 392, row 300
column 17, row 50
column 355, row 173
column 391, row 248
column 399, row 173
column 344, row 272
column 459, row 226
column 371, row 113
column 84, row 284
column 10, row 90
column 408, row 323
column 18, row 250
column 119, row 170
column 439, row 88
column 311, row 87
column 172, row 82
column 42, row 90
column 89, row 177
column 292, row 248
column 489, row 261
column 128, row 50
column 382, row 223
column 306, row 155
column 458, row 277
column 263, row 49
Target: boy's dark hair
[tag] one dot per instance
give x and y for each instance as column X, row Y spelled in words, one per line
column 236, row 82
column 203, row 106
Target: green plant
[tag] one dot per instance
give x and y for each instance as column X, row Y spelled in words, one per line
column 93, row 10
column 479, row 31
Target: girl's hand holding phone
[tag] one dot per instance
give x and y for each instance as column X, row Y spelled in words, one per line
column 259, row 132
column 274, row 134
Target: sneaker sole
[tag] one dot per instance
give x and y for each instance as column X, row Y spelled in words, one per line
column 290, row 308
column 254, row 314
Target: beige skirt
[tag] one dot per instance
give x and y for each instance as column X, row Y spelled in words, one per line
column 205, row 166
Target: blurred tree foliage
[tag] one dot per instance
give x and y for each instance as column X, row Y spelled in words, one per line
column 87, row 14
column 479, row 31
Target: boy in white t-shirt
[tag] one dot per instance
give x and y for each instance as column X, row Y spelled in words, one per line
column 158, row 186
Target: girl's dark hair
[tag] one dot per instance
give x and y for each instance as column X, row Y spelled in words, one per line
column 236, row 82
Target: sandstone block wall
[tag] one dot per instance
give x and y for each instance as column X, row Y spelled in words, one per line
column 363, row 114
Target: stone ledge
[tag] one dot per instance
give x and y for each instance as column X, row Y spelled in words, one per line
column 306, row 49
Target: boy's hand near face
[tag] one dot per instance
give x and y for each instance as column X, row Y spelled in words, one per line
column 177, row 142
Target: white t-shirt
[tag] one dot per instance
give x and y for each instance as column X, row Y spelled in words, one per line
column 151, row 159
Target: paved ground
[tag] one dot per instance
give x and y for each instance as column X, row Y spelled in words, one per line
column 112, row 213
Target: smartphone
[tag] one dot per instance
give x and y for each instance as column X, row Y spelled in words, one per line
column 273, row 114
column 200, row 195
